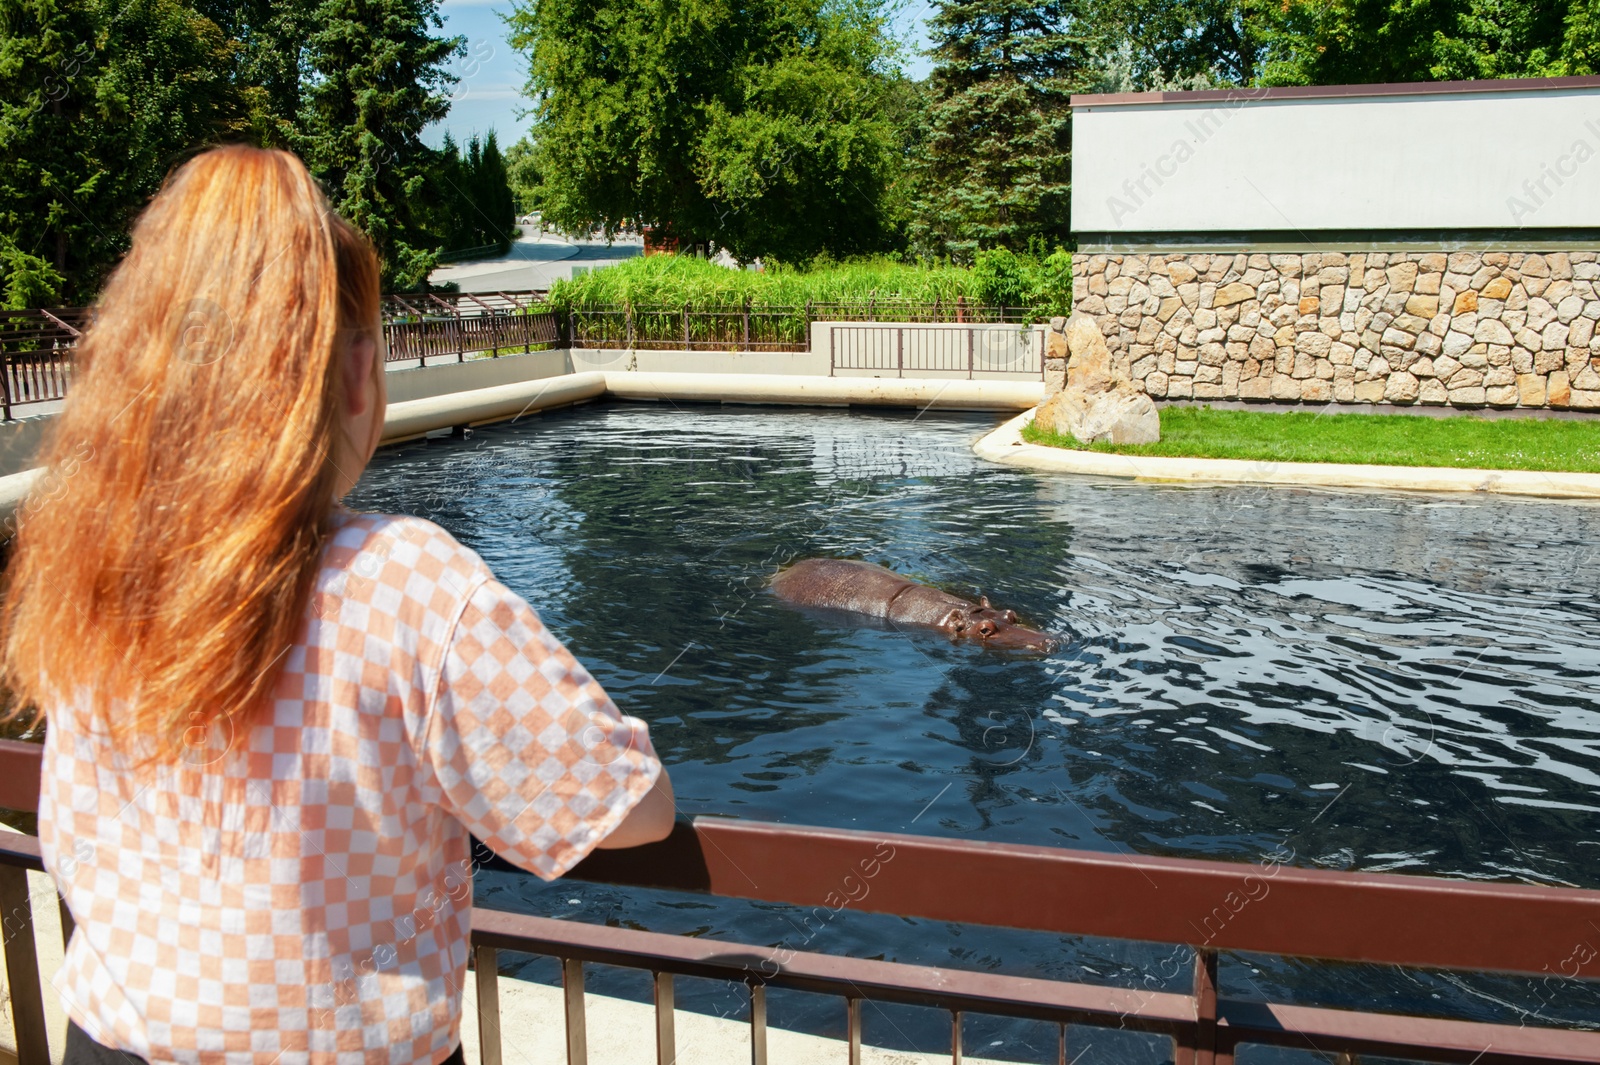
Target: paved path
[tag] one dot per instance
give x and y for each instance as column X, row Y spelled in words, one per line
column 534, row 261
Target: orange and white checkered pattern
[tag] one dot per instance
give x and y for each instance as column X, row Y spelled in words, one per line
column 302, row 892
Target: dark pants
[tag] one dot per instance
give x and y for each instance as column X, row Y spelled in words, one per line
column 81, row 1050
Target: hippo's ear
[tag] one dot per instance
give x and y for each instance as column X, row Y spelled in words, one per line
column 983, row 601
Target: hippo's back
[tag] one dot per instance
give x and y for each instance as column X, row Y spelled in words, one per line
column 840, row 584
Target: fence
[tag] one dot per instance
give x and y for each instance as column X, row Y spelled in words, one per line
column 1201, row 907
column 36, row 354
column 744, row 327
column 935, row 349
column 428, row 325
column 36, row 346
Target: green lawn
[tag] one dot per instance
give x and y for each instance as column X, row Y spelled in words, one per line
column 1380, row 439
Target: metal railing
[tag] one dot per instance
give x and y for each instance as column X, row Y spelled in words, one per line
column 898, row 350
column 36, row 346
column 750, row 327
column 1208, row 906
column 36, row 354
column 421, row 326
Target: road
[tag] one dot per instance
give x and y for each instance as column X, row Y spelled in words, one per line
column 534, row 262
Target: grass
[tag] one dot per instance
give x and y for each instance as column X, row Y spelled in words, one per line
column 1376, row 439
column 673, row 280
column 1042, row 284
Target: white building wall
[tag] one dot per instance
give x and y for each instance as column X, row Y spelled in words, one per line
column 1469, row 160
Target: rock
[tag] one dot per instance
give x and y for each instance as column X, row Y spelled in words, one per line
column 1237, row 292
column 1585, row 400
column 1181, row 273
column 1497, row 289
column 1466, row 302
column 1467, row 397
column 1492, row 331
column 1369, row 391
column 1560, row 392
column 1316, row 390
column 1530, row 390
column 1433, row 394
column 1257, row 388
column 1402, row 276
column 1580, row 332
column 1117, row 416
column 1098, row 404
column 1423, row 306
column 1401, row 388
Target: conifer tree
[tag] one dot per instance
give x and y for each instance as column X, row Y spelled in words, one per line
column 99, row 99
column 995, row 170
column 377, row 77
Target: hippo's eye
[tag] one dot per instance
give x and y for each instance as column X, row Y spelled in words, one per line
column 987, row 628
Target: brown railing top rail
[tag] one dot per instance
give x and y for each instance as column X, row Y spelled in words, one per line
column 1269, row 908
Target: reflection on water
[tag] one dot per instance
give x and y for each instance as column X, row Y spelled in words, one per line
column 1368, row 681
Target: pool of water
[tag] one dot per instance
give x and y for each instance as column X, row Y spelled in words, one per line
column 1397, row 682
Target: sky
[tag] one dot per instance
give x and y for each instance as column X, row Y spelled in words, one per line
column 489, row 94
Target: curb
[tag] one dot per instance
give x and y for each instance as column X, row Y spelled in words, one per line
column 1005, row 445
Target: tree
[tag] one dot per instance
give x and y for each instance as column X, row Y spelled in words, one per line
column 996, row 166
column 470, row 195
column 1323, row 42
column 98, row 101
column 523, row 174
column 272, row 63
column 718, row 119
column 377, row 79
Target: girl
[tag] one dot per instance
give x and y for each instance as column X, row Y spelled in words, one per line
column 273, row 722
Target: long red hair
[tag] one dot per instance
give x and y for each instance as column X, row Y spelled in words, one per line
column 163, row 564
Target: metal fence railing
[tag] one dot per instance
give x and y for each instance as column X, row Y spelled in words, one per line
column 36, row 346
column 757, row 327
column 36, row 354
column 1204, row 909
column 430, row 325
column 917, row 350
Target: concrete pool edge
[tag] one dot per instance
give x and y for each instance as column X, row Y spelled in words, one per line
column 413, row 418
column 1005, row 445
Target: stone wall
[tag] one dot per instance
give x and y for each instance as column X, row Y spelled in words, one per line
column 1467, row 329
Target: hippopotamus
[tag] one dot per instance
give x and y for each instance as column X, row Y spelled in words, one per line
column 863, row 588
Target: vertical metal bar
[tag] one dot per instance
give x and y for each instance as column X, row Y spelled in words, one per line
column 1205, row 1006
column 900, row 352
column 685, row 325
column 758, row 1024
column 747, row 323
column 22, row 968
column 486, row 964
column 955, row 1037
column 833, row 358
column 666, row 1029
column 461, row 347
column 5, row 383
column 1061, row 1045
column 572, row 993
column 852, row 1021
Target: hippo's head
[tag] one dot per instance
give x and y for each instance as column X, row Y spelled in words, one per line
column 997, row 629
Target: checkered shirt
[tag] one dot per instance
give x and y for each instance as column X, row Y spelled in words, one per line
column 302, row 891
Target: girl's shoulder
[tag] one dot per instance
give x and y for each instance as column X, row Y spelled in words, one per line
column 401, row 551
